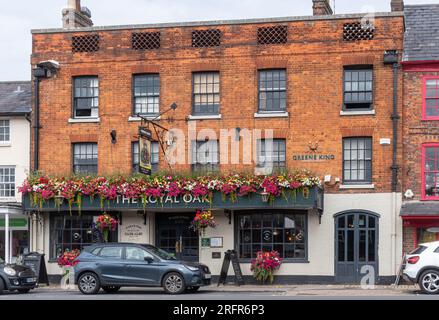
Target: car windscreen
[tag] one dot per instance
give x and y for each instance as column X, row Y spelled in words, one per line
column 419, row 250
column 159, row 252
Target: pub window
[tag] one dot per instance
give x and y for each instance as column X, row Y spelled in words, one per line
column 271, row 153
column 146, row 94
column 431, row 171
column 358, row 88
column 357, row 160
column 5, row 131
column 7, row 182
column 285, row 233
column 85, row 97
column 69, row 232
column 85, row 158
column 272, row 90
column 154, row 156
column 205, row 156
column 431, row 98
column 206, row 93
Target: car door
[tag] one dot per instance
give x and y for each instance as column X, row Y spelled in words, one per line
column 111, row 265
column 139, row 271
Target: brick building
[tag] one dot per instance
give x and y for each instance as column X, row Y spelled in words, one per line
column 420, row 210
column 324, row 84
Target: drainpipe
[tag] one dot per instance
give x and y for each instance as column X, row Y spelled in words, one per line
column 37, row 119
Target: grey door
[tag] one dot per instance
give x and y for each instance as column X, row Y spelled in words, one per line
column 139, row 271
column 111, row 266
column 356, row 246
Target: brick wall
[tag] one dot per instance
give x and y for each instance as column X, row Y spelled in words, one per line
column 314, row 58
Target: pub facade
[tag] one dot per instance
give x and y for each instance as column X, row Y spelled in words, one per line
column 307, row 99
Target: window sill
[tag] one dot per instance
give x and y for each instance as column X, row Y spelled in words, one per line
column 356, row 186
column 272, row 115
column 134, row 118
column 357, row 113
column 5, row 144
column 8, row 199
column 84, row 120
column 206, row 117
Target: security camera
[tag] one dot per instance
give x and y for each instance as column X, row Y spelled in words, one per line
column 52, row 65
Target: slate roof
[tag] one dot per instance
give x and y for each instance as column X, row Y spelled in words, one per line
column 421, row 40
column 15, row 97
column 424, row 208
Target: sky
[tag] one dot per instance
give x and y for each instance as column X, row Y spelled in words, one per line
column 18, row 17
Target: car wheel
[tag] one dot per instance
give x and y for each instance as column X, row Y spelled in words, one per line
column 111, row 289
column 173, row 283
column 23, row 291
column 192, row 289
column 429, row 282
column 89, row 283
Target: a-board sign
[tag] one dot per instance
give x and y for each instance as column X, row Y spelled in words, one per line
column 36, row 262
column 231, row 256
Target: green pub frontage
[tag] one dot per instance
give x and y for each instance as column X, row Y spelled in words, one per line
column 288, row 223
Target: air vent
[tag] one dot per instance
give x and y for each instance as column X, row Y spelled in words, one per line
column 88, row 43
column 145, row 40
column 357, row 31
column 206, row 38
column 273, row 35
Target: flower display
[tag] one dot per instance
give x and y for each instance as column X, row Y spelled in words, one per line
column 265, row 264
column 68, row 258
column 203, row 220
column 106, row 223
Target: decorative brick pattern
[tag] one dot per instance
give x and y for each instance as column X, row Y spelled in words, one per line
column 87, row 43
column 357, row 31
column 145, row 40
column 273, row 35
column 206, row 38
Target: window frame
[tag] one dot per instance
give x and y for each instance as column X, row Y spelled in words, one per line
column 424, row 98
column 8, row 121
column 357, row 182
column 358, row 68
column 258, row 154
column 194, row 163
column 259, row 71
column 193, row 93
column 155, row 165
column 73, row 158
column 14, row 183
column 133, row 94
column 74, row 97
column 423, row 171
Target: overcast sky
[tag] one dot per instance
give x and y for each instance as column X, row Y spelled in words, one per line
column 18, row 17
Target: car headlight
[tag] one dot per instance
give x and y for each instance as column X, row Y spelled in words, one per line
column 191, row 268
column 9, row 271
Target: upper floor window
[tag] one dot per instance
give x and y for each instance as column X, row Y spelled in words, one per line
column 205, row 156
column 147, row 94
column 85, row 97
column 430, row 171
column 7, row 182
column 271, row 154
column 5, row 131
column 85, row 158
column 357, row 160
column 358, row 88
column 272, row 90
column 431, row 98
column 154, row 156
column 206, row 93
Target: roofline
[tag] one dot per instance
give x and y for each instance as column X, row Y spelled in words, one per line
column 15, row 114
column 18, row 81
column 218, row 22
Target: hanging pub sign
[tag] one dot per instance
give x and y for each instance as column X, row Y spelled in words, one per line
column 145, row 138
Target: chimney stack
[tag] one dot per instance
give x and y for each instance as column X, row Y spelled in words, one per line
column 321, row 8
column 397, row 5
column 75, row 16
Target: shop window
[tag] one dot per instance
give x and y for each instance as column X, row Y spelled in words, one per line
column 146, row 94
column 5, row 131
column 72, row 232
column 7, row 182
column 205, row 156
column 430, row 174
column 154, row 156
column 431, row 98
column 85, row 97
column 85, row 158
column 358, row 88
column 272, row 90
column 357, row 160
column 284, row 232
column 206, row 93
column 425, row 235
column 271, row 153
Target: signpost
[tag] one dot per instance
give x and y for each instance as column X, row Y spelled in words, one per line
column 231, row 256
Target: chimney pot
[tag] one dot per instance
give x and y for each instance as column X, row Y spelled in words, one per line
column 397, row 5
column 321, row 8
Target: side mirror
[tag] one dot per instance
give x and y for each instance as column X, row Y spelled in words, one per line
column 149, row 259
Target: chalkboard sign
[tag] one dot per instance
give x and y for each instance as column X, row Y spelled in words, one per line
column 231, row 256
column 36, row 262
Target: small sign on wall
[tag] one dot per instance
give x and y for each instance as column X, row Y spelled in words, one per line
column 216, row 255
column 216, row 242
column 205, row 242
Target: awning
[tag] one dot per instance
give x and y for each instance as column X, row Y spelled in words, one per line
column 420, row 214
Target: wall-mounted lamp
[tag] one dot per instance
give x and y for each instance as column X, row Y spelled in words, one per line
column 265, row 196
column 237, row 134
column 113, row 135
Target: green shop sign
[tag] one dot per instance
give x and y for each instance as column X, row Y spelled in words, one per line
column 15, row 223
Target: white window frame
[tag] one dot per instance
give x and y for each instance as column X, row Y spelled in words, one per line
column 2, row 183
column 6, row 142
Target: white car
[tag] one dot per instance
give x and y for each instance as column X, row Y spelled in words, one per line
column 422, row 267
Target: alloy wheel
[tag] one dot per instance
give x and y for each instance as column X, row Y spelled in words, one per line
column 174, row 283
column 88, row 283
column 430, row 282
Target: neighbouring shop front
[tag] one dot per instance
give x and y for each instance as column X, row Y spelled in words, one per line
column 14, row 232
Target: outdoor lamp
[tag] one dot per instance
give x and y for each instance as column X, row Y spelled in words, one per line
column 265, row 196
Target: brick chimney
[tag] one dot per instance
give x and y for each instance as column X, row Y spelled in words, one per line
column 321, row 8
column 75, row 16
column 397, row 5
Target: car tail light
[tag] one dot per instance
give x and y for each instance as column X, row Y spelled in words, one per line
column 413, row 260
